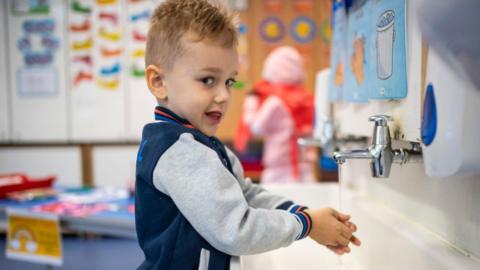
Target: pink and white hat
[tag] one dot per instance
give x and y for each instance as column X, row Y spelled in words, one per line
column 284, row 65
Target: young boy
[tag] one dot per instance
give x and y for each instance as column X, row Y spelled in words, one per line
column 194, row 209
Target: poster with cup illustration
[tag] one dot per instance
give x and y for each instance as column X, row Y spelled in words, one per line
column 358, row 59
column 388, row 50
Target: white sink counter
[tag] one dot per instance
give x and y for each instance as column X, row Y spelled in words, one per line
column 389, row 241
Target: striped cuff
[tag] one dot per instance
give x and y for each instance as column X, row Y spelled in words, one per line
column 306, row 222
column 285, row 205
column 295, row 208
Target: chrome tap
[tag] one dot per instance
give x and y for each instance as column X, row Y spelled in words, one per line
column 325, row 141
column 380, row 152
column 328, row 141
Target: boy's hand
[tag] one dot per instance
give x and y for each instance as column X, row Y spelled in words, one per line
column 332, row 229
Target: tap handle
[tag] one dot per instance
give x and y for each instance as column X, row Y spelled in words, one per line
column 380, row 120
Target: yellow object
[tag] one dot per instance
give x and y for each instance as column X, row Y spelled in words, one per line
column 113, row 36
column 34, row 237
column 82, row 45
column 303, row 29
column 108, row 84
column 272, row 30
column 106, row 2
column 138, row 53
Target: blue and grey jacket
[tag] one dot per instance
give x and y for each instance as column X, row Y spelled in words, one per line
column 195, row 210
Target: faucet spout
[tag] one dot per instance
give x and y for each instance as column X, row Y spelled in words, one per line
column 341, row 156
column 380, row 152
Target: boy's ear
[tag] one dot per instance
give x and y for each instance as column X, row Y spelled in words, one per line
column 154, row 76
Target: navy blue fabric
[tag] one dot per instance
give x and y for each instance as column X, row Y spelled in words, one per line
column 168, row 240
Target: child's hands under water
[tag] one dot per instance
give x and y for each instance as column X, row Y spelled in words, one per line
column 333, row 229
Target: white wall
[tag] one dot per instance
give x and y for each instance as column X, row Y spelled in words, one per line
column 64, row 162
column 114, row 165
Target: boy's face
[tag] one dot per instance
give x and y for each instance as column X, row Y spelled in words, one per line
column 198, row 85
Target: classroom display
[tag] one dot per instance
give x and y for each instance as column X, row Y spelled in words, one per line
column 82, row 62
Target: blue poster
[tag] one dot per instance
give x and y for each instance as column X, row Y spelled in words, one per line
column 357, row 81
column 388, row 50
column 338, row 52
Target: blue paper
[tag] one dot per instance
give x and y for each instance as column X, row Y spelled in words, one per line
column 359, row 59
column 338, row 52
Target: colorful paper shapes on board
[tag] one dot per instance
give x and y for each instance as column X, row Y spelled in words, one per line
column 137, row 36
column 82, row 45
column 242, row 29
column 38, row 26
column 85, row 26
column 110, row 52
column 86, row 59
column 303, row 29
column 115, row 69
column 50, row 42
column 82, row 76
column 272, row 29
column 112, row 36
column 144, row 15
column 273, row 5
column 24, row 44
column 303, row 5
column 138, row 53
column 109, row 16
column 80, row 8
column 106, row 2
column 30, row 7
column 108, row 84
column 137, row 72
column 325, row 30
column 43, row 58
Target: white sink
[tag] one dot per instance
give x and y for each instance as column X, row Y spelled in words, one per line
column 389, row 241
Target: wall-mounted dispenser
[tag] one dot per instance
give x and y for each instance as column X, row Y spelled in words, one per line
column 450, row 129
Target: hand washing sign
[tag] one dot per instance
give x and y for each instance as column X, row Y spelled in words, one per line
column 384, row 44
column 369, row 51
column 388, row 47
column 33, row 237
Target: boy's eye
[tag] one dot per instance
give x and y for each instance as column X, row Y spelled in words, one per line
column 208, row 81
column 230, row 82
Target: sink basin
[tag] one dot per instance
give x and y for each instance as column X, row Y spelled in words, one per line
column 389, row 241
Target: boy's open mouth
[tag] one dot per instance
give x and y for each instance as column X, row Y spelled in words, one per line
column 214, row 116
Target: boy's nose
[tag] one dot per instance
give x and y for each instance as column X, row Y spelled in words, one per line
column 222, row 95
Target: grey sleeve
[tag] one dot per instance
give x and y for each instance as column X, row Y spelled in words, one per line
column 211, row 199
column 255, row 194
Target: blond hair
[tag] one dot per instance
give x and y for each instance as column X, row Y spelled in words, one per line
column 173, row 18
